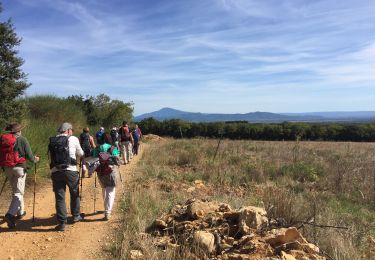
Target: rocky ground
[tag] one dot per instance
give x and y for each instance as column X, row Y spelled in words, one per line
column 214, row 230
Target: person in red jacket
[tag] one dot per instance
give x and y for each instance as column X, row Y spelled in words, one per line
column 16, row 169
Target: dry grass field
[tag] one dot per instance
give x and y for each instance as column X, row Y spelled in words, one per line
column 310, row 185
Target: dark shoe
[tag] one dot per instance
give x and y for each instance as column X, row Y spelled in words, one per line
column 10, row 220
column 20, row 216
column 60, row 227
column 78, row 218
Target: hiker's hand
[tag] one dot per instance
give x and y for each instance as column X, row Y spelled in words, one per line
column 36, row 159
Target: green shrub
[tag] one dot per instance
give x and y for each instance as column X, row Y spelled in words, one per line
column 301, row 171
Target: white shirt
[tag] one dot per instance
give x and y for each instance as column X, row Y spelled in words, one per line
column 75, row 151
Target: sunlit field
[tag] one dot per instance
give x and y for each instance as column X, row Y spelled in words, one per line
column 325, row 189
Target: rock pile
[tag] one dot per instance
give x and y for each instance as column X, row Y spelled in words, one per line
column 216, row 231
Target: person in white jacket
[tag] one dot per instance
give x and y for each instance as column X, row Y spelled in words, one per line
column 64, row 149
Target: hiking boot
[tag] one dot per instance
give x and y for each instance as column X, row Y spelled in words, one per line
column 60, row 227
column 20, row 216
column 78, row 218
column 10, row 220
column 107, row 216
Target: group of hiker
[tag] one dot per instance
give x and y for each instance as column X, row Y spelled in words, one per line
column 66, row 151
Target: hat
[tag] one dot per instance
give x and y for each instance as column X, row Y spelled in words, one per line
column 65, row 126
column 14, row 128
column 101, row 128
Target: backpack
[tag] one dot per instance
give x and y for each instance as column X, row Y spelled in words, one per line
column 100, row 137
column 9, row 157
column 58, row 148
column 135, row 136
column 105, row 162
column 84, row 140
column 124, row 134
column 114, row 135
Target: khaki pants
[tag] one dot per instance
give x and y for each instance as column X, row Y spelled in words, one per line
column 17, row 179
column 126, row 150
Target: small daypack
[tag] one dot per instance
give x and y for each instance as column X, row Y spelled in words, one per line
column 59, row 151
column 124, row 134
column 105, row 160
column 114, row 135
column 9, row 157
column 84, row 140
column 135, row 136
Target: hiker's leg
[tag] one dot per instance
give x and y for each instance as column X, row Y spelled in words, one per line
column 72, row 179
column 130, row 150
column 59, row 186
column 123, row 151
column 17, row 178
column 127, row 149
column 110, row 199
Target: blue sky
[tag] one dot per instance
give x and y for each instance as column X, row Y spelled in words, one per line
column 224, row 56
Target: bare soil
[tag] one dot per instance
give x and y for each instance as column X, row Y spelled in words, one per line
column 83, row 240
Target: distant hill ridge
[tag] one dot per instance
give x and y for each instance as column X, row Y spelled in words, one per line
column 261, row 117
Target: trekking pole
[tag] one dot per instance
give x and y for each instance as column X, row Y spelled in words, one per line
column 122, row 184
column 95, row 193
column 34, row 193
column 80, row 179
column 2, row 188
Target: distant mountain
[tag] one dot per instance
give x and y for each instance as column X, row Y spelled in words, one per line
column 342, row 116
column 256, row 117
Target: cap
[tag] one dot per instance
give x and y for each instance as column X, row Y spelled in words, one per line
column 65, row 126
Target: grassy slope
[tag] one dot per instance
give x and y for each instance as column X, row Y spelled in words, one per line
column 296, row 181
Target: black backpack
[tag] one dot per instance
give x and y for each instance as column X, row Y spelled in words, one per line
column 59, row 151
column 84, row 140
column 114, row 134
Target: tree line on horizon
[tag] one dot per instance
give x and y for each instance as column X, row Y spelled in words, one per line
column 288, row 131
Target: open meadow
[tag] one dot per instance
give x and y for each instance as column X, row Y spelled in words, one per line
column 325, row 189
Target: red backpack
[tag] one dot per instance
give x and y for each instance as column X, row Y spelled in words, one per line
column 9, row 157
column 104, row 162
column 124, row 134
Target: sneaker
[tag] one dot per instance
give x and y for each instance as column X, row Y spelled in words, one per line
column 20, row 216
column 60, row 227
column 107, row 217
column 10, row 220
column 78, row 218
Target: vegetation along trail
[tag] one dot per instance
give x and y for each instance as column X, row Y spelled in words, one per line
column 83, row 240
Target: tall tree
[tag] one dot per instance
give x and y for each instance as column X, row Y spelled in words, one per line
column 13, row 80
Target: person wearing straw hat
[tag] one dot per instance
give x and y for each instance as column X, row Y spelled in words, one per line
column 15, row 150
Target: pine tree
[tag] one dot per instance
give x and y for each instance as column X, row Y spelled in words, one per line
column 13, row 81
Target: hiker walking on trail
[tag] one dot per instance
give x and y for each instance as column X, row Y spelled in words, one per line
column 108, row 173
column 126, row 142
column 87, row 143
column 14, row 151
column 138, row 131
column 115, row 138
column 136, row 141
column 64, row 149
column 100, row 136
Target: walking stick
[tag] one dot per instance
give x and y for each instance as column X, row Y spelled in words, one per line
column 80, row 180
column 2, row 188
column 34, row 193
column 95, row 194
column 122, row 184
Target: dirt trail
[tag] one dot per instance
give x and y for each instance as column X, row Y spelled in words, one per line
column 83, row 240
